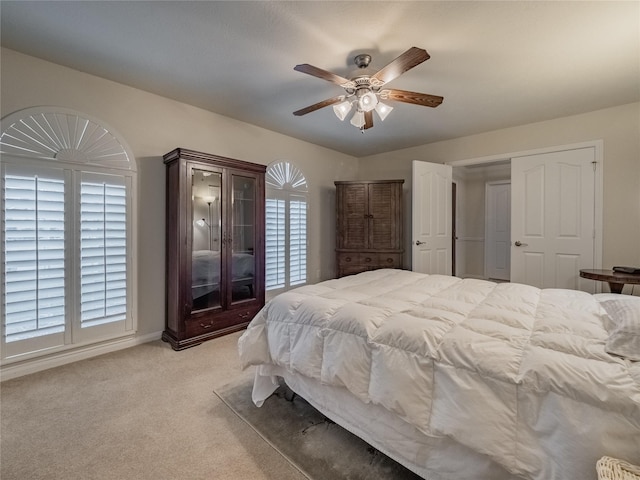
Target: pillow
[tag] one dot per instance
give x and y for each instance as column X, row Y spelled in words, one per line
column 624, row 335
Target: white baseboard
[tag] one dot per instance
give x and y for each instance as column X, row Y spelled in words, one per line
column 34, row 365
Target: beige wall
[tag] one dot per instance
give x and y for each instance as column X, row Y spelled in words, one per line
column 152, row 126
column 618, row 127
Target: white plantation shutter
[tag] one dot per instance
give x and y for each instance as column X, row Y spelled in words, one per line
column 67, row 212
column 286, row 226
column 275, row 243
column 103, row 250
column 297, row 240
column 34, row 254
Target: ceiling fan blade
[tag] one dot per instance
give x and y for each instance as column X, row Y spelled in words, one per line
column 409, row 59
column 318, row 106
column 423, row 99
column 368, row 119
column 325, row 75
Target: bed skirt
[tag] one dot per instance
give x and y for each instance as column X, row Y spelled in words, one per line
column 431, row 457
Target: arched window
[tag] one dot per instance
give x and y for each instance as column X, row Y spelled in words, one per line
column 67, row 214
column 286, row 227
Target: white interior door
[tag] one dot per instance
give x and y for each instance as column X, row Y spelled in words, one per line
column 553, row 218
column 498, row 231
column 431, row 218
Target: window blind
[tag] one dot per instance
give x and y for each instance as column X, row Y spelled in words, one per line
column 103, row 251
column 275, row 243
column 297, row 240
column 34, row 245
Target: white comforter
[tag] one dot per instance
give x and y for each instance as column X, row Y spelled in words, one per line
column 513, row 372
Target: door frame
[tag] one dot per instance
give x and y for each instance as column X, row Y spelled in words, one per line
column 597, row 145
column 454, row 227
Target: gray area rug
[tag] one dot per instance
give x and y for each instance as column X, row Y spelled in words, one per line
column 318, row 447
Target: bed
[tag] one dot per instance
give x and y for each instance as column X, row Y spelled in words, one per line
column 205, row 271
column 460, row 378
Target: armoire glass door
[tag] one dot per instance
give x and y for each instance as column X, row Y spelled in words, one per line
column 243, row 260
column 206, row 269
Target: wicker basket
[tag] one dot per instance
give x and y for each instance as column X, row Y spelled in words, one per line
column 613, row 469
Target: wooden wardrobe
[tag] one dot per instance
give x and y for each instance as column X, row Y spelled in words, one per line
column 368, row 225
column 215, row 246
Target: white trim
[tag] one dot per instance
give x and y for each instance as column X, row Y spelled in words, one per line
column 18, row 369
column 505, row 157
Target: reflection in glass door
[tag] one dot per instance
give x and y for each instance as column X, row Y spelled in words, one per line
column 206, row 259
column 243, row 238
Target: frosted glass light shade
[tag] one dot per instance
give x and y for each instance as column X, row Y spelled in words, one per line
column 367, row 101
column 342, row 109
column 358, row 119
column 383, row 110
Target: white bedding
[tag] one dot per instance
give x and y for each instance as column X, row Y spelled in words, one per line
column 515, row 374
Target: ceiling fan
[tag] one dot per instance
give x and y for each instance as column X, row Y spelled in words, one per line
column 365, row 92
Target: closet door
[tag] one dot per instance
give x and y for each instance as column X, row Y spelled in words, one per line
column 553, row 218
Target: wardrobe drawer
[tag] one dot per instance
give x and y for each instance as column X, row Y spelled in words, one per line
column 389, row 260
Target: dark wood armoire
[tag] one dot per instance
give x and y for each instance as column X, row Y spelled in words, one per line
column 215, row 220
column 368, row 225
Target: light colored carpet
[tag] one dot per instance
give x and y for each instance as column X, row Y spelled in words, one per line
column 146, row 412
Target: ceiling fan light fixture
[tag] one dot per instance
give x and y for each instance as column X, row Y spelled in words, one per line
column 367, row 100
column 342, row 109
column 383, row 110
column 358, row 119
column 364, row 91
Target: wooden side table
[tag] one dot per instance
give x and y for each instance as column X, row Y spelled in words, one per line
column 616, row 280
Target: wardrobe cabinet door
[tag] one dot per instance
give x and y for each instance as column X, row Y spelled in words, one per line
column 352, row 212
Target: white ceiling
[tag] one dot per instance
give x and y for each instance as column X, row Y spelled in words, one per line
column 497, row 64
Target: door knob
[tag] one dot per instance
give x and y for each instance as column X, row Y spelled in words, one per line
column 520, row 244
column 418, row 242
